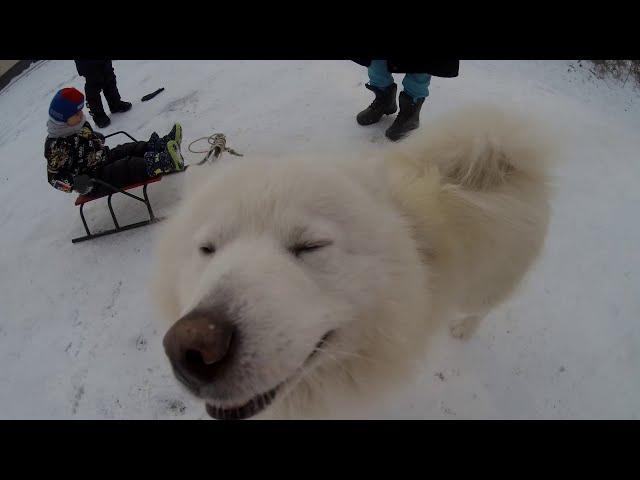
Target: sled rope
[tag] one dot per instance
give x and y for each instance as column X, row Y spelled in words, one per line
column 217, row 144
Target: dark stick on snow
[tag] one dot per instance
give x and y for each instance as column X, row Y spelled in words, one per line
column 149, row 96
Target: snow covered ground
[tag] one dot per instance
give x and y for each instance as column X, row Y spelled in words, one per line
column 77, row 335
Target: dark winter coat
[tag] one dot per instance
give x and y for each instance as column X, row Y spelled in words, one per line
column 82, row 153
column 436, row 68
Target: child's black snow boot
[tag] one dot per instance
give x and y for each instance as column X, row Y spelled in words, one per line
column 101, row 119
column 120, row 106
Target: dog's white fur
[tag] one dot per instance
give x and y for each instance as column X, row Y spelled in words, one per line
column 440, row 226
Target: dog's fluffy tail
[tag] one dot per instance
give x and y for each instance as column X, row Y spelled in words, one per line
column 481, row 147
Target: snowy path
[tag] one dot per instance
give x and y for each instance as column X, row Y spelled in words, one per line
column 77, row 338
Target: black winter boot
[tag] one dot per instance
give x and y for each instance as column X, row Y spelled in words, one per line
column 384, row 104
column 120, row 106
column 408, row 118
column 158, row 163
column 101, row 120
column 156, row 144
column 174, row 134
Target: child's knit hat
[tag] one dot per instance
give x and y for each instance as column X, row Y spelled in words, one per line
column 66, row 103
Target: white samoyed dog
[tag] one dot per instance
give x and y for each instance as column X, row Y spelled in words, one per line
column 290, row 285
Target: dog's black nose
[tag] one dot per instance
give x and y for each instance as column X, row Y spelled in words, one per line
column 196, row 345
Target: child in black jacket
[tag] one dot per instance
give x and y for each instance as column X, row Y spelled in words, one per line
column 76, row 154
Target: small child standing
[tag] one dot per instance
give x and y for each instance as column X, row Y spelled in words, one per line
column 76, row 154
column 100, row 77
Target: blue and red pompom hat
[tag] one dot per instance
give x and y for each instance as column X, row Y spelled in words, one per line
column 66, row 103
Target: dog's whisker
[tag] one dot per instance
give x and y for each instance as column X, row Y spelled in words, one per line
column 342, row 353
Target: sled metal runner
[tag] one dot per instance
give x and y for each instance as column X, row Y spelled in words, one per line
column 118, row 228
column 83, row 199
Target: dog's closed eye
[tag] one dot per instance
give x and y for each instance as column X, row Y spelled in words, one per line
column 207, row 249
column 308, row 247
